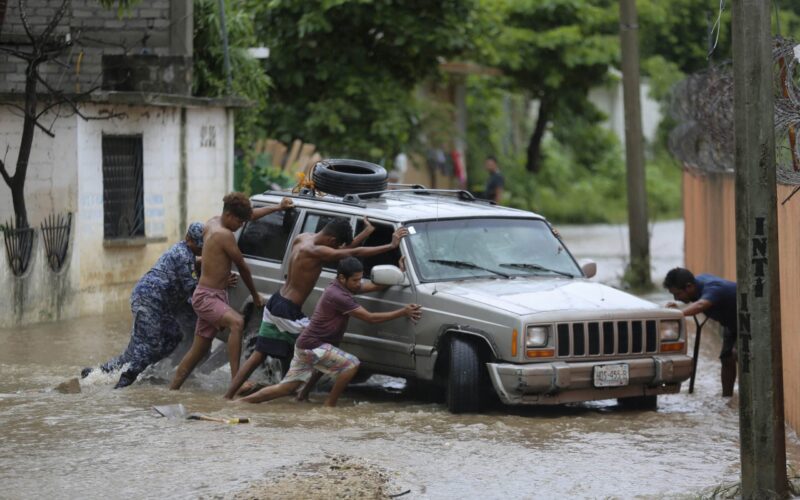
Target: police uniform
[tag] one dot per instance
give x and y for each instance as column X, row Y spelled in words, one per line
column 161, row 305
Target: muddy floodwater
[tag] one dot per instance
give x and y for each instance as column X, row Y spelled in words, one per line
column 105, row 443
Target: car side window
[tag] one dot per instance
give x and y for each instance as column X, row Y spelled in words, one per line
column 267, row 237
column 381, row 236
column 314, row 223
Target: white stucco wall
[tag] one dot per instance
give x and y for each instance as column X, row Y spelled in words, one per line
column 66, row 174
column 609, row 100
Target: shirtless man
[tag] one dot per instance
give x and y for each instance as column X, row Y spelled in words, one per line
column 210, row 299
column 283, row 318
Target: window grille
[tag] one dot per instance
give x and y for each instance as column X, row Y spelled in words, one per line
column 123, row 187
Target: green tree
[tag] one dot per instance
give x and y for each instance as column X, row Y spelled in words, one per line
column 554, row 51
column 344, row 71
column 249, row 78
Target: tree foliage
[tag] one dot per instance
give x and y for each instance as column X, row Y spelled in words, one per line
column 344, row 72
column 248, row 77
column 554, row 51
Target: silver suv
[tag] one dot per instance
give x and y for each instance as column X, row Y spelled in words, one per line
column 506, row 308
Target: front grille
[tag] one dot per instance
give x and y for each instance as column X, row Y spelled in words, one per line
column 606, row 338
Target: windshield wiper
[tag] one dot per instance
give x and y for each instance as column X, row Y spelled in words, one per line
column 466, row 265
column 535, row 267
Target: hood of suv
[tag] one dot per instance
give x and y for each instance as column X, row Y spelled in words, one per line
column 532, row 295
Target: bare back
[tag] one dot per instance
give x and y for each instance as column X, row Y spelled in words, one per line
column 304, row 270
column 216, row 254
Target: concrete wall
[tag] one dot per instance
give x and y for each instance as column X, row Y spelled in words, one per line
column 67, row 176
column 609, row 100
column 710, row 239
column 149, row 27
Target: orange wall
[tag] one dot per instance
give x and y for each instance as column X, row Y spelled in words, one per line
column 710, row 247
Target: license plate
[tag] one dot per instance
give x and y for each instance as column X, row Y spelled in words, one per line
column 611, row 375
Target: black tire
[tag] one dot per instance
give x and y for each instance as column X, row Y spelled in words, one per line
column 464, row 380
column 649, row 403
column 342, row 177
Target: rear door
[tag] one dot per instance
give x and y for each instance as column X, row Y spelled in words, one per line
column 264, row 243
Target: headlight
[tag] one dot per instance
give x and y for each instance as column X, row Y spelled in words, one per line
column 669, row 330
column 537, row 336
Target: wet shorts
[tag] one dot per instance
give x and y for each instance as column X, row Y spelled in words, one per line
column 325, row 358
column 210, row 304
column 728, row 343
column 281, row 324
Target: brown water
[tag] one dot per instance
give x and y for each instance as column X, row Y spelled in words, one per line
column 105, row 443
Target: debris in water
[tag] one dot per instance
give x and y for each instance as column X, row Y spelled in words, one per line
column 71, row 386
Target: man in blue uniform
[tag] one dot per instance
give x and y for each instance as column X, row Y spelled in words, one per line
column 160, row 304
column 716, row 298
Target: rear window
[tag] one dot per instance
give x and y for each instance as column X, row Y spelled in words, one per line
column 267, row 237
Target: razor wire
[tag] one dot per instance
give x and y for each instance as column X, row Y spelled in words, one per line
column 702, row 107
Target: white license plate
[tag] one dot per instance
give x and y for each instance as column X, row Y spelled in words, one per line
column 611, row 375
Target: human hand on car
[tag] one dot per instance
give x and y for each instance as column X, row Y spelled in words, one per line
column 413, row 312
column 398, row 235
column 233, row 279
column 401, row 264
column 286, row 203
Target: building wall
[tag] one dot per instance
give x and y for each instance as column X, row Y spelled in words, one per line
column 710, row 241
column 94, row 30
column 68, row 175
column 609, row 99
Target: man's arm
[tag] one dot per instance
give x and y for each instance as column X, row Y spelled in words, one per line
column 363, row 235
column 367, row 287
column 411, row 311
column 260, row 212
column 693, row 309
column 498, row 194
column 232, row 250
column 328, row 254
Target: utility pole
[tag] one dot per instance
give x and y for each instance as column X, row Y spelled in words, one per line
column 638, row 275
column 761, row 419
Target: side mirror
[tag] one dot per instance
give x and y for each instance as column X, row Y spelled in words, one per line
column 389, row 275
column 589, row 268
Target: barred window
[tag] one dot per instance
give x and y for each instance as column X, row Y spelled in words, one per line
column 123, row 187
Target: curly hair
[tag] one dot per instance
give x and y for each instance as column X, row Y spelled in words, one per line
column 237, row 204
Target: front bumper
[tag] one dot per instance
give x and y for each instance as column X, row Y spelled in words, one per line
column 560, row 382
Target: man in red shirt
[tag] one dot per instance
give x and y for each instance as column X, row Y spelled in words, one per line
column 316, row 348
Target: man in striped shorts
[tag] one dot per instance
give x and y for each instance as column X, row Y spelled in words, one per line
column 283, row 317
column 317, row 347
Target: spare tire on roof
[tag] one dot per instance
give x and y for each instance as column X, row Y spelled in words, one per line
column 341, row 177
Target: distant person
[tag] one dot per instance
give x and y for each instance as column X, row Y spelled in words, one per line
column 716, row 298
column 161, row 309
column 283, row 317
column 317, row 347
column 210, row 299
column 495, row 183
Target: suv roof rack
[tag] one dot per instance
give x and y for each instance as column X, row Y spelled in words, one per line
column 461, row 194
column 327, row 199
column 357, row 199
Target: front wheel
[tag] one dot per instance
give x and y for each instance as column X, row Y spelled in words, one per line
column 464, row 386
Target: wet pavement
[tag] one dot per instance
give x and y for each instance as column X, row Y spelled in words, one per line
column 104, row 443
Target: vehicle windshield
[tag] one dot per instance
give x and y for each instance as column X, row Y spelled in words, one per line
column 480, row 248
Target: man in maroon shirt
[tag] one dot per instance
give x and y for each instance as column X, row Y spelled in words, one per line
column 316, row 348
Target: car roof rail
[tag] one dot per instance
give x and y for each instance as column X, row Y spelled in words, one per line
column 417, row 189
column 308, row 194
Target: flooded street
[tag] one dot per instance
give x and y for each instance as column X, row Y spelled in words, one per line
column 105, row 443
